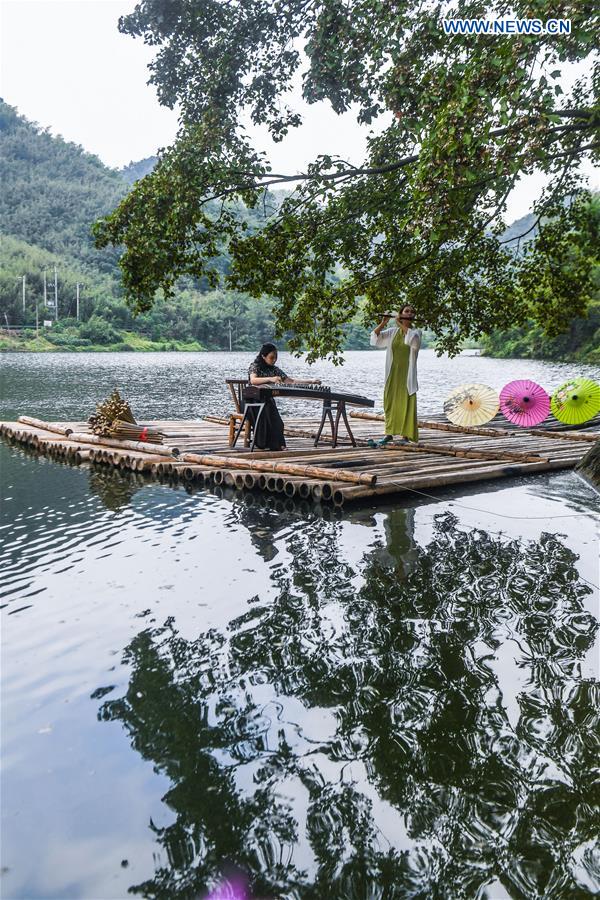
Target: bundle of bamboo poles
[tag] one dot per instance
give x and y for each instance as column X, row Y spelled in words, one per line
column 143, row 447
column 114, row 407
column 125, row 430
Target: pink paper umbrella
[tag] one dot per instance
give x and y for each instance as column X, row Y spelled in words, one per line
column 524, row 403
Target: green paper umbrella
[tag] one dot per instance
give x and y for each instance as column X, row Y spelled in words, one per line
column 576, row 401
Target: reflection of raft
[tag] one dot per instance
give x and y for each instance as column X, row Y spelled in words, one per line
column 198, row 451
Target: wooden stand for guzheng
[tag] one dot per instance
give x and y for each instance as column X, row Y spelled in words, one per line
column 334, row 408
column 339, row 406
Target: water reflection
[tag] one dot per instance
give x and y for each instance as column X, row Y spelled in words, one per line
column 114, row 488
column 357, row 736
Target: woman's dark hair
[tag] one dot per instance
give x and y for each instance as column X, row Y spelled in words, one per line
column 265, row 350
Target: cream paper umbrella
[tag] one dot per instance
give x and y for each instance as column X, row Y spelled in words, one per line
column 471, row 404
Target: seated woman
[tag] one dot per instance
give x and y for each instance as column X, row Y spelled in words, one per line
column 269, row 433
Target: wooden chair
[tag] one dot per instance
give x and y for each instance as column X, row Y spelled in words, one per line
column 236, row 388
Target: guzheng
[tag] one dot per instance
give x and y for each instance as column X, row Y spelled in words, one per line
column 334, row 405
column 258, row 393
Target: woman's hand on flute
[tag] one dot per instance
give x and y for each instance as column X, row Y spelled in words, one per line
column 382, row 324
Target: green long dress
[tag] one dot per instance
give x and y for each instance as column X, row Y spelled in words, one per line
column 399, row 406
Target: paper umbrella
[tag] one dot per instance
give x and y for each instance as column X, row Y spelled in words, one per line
column 471, row 404
column 524, row 403
column 576, row 401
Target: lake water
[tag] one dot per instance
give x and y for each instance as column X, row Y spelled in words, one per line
column 398, row 701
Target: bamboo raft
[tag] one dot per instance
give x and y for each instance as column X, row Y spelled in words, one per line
column 197, row 451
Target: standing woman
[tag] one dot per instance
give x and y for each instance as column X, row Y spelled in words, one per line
column 402, row 345
column 262, row 370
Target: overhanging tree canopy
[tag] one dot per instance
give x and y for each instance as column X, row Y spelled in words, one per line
column 420, row 220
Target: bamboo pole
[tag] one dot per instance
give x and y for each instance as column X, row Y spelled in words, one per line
column 394, row 484
column 145, row 462
column 493, row 432
column 426, row 423
column 140, row 446
column 469, row 453
column 45, row 426
column 322, row 490
column 566, row 435
column 297, row 486
column 275, row 483
column 191, row 472
column 282, row 468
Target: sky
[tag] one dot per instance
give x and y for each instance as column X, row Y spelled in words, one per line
column 64, row 65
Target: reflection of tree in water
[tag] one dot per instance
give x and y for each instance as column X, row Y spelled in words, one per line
column 401, row 673
column 114, row 488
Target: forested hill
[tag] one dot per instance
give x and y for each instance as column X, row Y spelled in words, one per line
column 136, row 170
column 52, row 192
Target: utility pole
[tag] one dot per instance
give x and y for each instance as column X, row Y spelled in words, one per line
column 55, row 295
column 24, row 277
column 45, row 291
column 229, row 326
column 37, row 317
column 78, row 301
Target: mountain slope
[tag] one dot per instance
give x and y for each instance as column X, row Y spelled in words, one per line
column 53, row 190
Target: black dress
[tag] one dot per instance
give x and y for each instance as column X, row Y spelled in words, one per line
column 269, row 433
